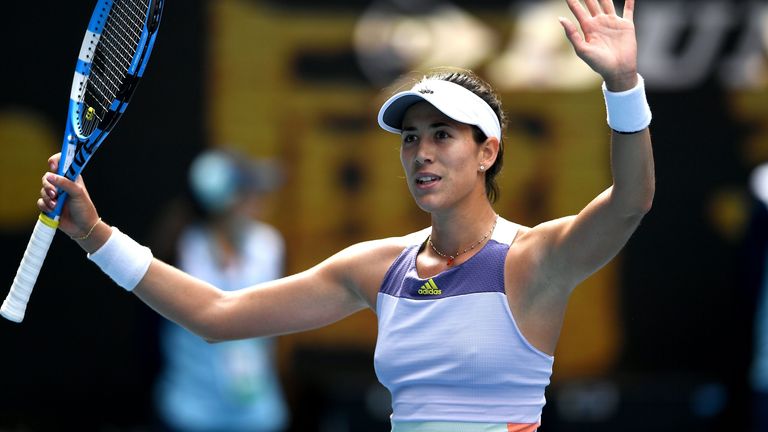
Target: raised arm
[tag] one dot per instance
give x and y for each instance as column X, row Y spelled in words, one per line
column 577, row 246
column 330, row 291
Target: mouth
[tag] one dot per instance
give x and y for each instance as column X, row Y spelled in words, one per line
column 427, row 179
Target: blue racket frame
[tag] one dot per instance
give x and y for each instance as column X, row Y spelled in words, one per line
column 76, row 149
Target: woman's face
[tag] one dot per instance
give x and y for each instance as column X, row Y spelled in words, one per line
column 440, row 158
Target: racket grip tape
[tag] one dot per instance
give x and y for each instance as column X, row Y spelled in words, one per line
column 15, row 303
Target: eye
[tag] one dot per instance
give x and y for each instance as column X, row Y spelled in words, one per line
column 441, row 134
column 409, row 138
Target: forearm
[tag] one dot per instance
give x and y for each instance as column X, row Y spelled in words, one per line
column 632, row 168
column 177, row 296
column 181, row 298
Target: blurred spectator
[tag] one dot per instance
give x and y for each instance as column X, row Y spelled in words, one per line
column 228, row 386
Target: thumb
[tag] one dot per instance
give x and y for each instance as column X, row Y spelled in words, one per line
column 572, row 33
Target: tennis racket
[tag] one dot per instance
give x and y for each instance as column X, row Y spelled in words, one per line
column 112, row 59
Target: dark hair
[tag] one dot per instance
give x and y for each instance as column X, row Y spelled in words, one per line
column 472, row 82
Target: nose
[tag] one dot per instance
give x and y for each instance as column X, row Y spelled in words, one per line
column 424, row 153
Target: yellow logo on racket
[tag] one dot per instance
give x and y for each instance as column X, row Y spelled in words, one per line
column 90, row 114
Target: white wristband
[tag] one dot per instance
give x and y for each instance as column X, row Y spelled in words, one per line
column 628, row 111
column 122, row 259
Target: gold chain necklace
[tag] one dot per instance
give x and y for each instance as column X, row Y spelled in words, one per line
column 452, row 258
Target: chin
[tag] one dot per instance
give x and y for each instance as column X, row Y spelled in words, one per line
column 428, row 203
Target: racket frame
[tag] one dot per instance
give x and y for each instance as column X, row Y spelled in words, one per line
column 77, row 149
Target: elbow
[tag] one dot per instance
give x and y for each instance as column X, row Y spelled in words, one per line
column 647, row 201
column 203, row 332
column 645, row 205
column 639, row 209
column 649, row 193
column 635, row 206
column 210, row 323
column 213, row 331
column 212, row 336
column 221, row 321
column 636, row 200
column 207, row 333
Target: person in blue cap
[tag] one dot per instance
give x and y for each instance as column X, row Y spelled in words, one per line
column 229, row 386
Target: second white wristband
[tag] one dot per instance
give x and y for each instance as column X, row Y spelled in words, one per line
column 628, row 111
column 122, row 259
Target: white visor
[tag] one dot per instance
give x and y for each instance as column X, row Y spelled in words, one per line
column 451, row 99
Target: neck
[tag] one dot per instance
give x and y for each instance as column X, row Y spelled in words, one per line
column 452, row 233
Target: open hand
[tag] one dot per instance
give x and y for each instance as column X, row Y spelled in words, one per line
column 608, row 44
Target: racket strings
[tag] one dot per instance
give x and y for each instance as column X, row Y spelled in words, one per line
column 114, row 55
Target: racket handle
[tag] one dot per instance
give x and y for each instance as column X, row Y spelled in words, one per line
column 15, row 304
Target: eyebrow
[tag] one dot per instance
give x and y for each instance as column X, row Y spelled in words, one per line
column 431, row 126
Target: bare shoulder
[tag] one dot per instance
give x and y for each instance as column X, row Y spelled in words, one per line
column 364, row 265
column 528, row 262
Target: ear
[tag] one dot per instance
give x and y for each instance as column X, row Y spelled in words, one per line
column 488, row 152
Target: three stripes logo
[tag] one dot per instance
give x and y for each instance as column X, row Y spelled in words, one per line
column 430, row 288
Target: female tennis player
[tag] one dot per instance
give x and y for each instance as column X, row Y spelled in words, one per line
column 469, row 309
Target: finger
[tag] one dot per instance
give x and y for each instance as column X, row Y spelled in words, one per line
column 577, row 10
column 46, row 206
column 45, row 198
column 53, row 161
column 48, row 196
column 629, row 10
column 64, row 184
column 48, row 189
column 608, row 7
column 572, row 33
column 594, row 8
